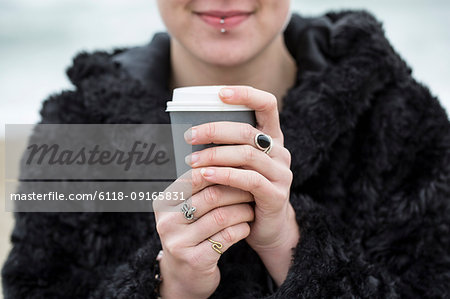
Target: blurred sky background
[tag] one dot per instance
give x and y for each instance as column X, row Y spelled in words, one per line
column 38, row 39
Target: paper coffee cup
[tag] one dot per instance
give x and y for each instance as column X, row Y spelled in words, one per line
column 197, row 105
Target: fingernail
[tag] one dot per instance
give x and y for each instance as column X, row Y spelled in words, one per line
column 160, row 255
column 207, row 172
column 226, row 93
column 189, row 135
column 191, row 159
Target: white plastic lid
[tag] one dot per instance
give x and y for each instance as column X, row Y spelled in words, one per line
column 200, row 98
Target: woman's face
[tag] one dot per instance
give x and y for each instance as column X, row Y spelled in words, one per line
column 249, row 25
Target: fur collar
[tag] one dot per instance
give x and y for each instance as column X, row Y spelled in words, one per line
column 343, row 60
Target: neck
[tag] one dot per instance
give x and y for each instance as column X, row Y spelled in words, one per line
column 274, row 70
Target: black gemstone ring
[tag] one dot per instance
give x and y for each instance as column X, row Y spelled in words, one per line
column 263, row 142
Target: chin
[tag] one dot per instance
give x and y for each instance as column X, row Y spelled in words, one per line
column 225, row 59
column 226, row 54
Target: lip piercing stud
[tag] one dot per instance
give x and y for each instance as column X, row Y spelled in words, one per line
column 222, row 21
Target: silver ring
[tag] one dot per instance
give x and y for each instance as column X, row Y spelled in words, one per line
column 188, row 211
column 263, row 142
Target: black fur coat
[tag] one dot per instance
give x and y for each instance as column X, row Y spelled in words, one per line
column 370, row 156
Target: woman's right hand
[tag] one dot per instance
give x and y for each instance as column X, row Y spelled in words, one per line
column 189, row 263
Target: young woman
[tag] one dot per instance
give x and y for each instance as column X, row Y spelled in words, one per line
column 350, row 201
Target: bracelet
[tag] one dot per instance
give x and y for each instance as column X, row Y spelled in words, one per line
column 158, row 277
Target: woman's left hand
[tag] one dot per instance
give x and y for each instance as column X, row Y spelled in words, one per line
column 241, row 165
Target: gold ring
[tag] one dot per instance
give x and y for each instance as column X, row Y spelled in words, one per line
column 216, row 245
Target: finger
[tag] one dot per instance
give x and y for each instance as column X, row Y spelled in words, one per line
column 244, row 156
column 213, row 197
column 226, row 238
column 216, row 220
column 264, row 104
column 188, row 184
column 266, row 195
column 160, row 255
column 223, row 132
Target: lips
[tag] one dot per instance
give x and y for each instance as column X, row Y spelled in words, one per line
column 230, row 18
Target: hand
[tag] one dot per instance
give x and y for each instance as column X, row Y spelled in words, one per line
column 266, row 176
column 189, row 264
